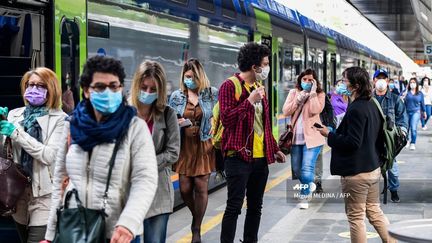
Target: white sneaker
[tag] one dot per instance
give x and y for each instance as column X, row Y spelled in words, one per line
column 424, row 128
column 408, row 145
column 304, row 204
column 412, row 146
column 312, row 187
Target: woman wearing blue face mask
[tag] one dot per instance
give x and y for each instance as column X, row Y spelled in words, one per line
column 148, row 95
column 99, row 121
column 392, row 87
column 195, row 101
column 35, row 131
column 304, row 104
column 339, row 100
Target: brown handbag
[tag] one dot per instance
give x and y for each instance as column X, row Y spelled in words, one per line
column 286, row 139
column 13, row 181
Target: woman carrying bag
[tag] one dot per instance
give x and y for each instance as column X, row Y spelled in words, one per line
column 148, row 95
column 35, row 131
column 304, row 104
column 110, row 162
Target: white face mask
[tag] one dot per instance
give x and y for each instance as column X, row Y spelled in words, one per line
column 263, row 74
column 381, row 85
column 413, row 85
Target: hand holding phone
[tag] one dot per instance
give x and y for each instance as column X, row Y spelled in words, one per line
column 317, row 125
column 186, row 123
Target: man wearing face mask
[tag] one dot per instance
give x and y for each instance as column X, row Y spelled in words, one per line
column 395, row 111
column 246, row 156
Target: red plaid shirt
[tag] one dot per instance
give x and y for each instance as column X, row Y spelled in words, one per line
column 238, row 118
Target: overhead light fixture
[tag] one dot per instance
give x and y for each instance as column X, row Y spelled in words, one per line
column 424, row 16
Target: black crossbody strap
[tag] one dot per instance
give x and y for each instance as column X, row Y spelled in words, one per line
column 111, row 166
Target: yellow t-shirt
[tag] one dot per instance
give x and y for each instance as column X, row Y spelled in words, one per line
column 258, row 139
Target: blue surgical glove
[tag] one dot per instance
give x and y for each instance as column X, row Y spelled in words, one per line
column 4, row 111
column 6, row 128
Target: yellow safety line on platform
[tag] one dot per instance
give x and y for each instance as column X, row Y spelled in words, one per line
column 216, row 220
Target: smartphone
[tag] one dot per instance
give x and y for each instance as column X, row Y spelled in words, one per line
column 186, row 123
column 317, row 125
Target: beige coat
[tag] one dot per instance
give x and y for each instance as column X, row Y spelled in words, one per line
column 132, row 186
column 33, row 207
column 311, row 114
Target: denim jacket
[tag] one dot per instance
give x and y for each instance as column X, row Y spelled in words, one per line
column 207, row 99
column 394, row 109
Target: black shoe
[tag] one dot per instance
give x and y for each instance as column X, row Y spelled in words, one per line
column 319, row 188
column 394, row 197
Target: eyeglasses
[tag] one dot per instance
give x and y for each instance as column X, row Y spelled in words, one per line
column 101, row 87
column 38, row 86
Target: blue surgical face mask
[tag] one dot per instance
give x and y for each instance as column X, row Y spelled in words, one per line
column 343, row 90
column 306, row 86
column 392, row 85
column 106, row 102
column 189, row 83
column 340, row 89
column 147, row 98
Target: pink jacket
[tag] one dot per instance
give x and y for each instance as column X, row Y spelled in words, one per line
column 311, row 114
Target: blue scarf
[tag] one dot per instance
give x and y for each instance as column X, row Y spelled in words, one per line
column 32, row 127
column 87, row 132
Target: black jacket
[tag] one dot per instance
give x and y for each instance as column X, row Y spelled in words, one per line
column 356, row 142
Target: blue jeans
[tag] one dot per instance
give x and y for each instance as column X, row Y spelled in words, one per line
column 393, row 177
column 413, row 120
column 428, row 115
column 155, row 229
column 303, row 162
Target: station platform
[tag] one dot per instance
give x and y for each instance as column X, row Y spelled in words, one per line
column 325, row 220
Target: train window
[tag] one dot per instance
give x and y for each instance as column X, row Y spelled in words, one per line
column 206, row 5
column 228, row 9
column 185, row 2
column 98, row 29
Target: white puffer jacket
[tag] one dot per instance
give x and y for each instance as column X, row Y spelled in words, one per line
column 133, row 181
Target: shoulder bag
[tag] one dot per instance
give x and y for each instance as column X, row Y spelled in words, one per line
column 13, row 181
column 286, row 139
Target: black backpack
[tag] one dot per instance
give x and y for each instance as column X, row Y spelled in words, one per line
column 327, row 115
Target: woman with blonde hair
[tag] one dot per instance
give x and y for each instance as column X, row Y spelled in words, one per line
column 148, row 95
column 194, row 102
column 35, row 130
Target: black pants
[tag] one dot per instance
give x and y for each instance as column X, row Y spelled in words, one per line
column 244, row 178
column 32, row 234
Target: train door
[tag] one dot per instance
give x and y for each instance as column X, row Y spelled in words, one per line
column 70, row 38
column 291, row 65
column 22, row 39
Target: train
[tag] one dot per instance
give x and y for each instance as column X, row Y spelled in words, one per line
column 62, row 34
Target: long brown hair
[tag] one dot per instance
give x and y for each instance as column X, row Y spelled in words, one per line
column 312, row 72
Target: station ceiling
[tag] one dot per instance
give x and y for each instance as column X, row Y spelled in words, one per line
column 408, row 23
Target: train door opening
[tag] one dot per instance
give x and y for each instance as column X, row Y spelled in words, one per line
column 70, row 63
column 22, row 38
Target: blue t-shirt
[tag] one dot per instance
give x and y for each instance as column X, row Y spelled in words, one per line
column 414, row 103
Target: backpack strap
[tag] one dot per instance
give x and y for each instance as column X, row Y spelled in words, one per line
column 238, row 87
column 383, row 172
